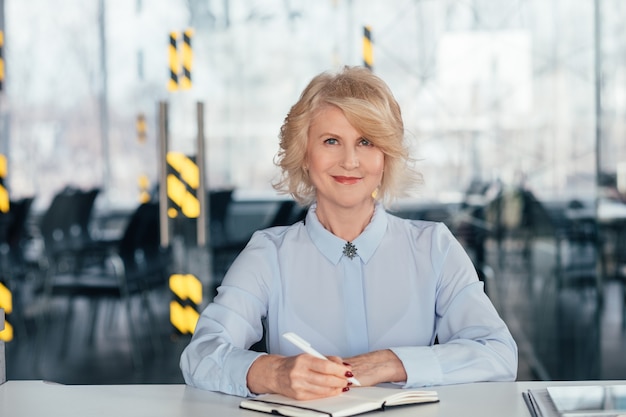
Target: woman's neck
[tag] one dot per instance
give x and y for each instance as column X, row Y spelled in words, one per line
column 348, row 223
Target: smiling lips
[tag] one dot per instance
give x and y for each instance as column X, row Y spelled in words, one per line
column 346, row 180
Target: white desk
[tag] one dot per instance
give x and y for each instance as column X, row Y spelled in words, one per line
column 44, row 399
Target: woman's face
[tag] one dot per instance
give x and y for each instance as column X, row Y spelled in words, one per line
column 344, row 167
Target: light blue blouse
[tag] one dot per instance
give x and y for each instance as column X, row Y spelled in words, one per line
column 410, row 282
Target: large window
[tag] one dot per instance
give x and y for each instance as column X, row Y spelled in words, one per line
column 491, row 89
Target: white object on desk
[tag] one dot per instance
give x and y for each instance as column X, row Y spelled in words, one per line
column 307, row 348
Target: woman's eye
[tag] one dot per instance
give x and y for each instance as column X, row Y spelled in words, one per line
column 366, row 142
column 331, row 141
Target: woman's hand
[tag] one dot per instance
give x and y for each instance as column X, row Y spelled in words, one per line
column 301, row 377
column 377, row 367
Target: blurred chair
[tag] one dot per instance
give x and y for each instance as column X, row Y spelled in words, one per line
column 513, row 217
column 219, row 205
column 282, row 215
column 227, row 244
column 14, row 268
column 133, row 267
column 619, row 228
column 287, row 213
column 576, row 238
column 12, row 235
column 64, row 228
column 223, row 248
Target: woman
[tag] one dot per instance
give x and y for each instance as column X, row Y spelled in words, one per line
column 387, row 299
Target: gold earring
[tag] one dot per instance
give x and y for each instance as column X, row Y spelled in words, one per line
column 375, row 193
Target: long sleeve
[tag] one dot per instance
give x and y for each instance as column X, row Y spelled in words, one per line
column 474, row 344
column 217, row 358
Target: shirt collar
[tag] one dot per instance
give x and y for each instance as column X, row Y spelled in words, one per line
column 332, row 246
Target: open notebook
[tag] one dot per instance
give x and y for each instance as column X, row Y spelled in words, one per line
column 356, row 401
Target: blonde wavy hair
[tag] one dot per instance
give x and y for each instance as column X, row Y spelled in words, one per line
column 370, row 107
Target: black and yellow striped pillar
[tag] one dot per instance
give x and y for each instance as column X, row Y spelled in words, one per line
column 180, row 61
column 182, row 183
column 174, row 62
column 143, row 183
column 141, row 127
column 6, row 299
column 4, row 193
column 6, row 303
column 186, row 60
column 187, row 290
column 183, row 213
column 368, row 50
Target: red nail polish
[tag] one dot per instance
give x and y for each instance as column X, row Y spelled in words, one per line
column 344, row 389
column 349, row 374
column 347, row 364
column 349, row 383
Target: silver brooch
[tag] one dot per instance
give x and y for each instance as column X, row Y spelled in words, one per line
column 349, row 250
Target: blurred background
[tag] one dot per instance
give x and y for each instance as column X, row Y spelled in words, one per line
column 137, row 141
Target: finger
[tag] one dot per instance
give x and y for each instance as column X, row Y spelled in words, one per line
column 313, row 373
column 314, row 385
column 333, row 366
column 336, row 359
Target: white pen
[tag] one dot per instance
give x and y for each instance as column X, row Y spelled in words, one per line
column 307, row 348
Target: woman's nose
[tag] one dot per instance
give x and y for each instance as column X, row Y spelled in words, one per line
column 350, row 159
